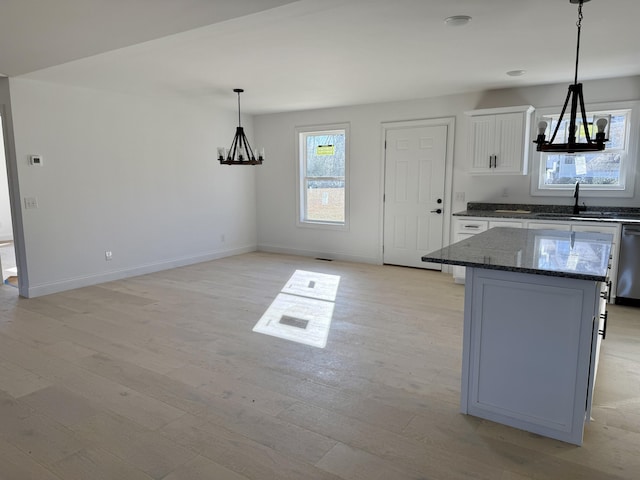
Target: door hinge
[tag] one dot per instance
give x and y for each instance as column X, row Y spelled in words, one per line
column 384, row 197
column 385, row 144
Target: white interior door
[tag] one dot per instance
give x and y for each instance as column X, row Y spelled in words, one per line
column 415, row 160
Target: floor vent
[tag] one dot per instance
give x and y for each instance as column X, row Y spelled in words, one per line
column 294, row 322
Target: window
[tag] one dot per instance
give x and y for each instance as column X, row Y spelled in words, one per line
column 323, row 182
column 607, row 173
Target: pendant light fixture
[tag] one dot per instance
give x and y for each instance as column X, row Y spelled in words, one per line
column 602, row 122
column 240, row 152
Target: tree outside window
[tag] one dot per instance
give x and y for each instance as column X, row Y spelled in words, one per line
column 598, row 170
column 323, row 176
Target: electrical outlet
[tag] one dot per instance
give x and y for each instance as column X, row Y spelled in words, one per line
column 222, row 238
column 505, row 192
column 108, row 255
column 459, row 196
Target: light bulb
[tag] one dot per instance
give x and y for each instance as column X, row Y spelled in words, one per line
column 601, row 123
column 542, row 127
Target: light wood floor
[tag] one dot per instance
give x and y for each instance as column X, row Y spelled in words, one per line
column 161, row 377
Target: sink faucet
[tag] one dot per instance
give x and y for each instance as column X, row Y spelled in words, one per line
column 576, row 194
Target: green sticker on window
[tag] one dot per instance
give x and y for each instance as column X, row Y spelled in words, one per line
column 326, row 150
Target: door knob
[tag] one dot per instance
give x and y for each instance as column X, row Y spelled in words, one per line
column 437, row 210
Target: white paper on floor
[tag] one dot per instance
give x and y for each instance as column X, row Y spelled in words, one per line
column 303, row 311
column 299, row 319
column 313, row 285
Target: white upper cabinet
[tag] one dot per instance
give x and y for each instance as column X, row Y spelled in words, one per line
column 498, row 140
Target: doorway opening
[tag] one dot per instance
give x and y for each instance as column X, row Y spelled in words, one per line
column 8, row 264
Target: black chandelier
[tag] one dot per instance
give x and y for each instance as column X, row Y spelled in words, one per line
column 602, row 122
column 240, row 152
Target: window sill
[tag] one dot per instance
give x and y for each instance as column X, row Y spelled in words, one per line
column 323, row 225
column 584, row 192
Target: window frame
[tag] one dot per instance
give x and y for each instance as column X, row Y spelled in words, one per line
column 627, row 172
column 300, row 159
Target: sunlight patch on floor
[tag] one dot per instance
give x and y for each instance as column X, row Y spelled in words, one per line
column 302, row 312
column 313, row 285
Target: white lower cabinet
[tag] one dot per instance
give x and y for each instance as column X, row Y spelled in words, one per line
column 505, row 223
column 465, row 228
column 530, row 351
column 549, row 226
column 469, row 227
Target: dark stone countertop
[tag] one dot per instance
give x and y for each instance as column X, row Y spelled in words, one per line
column 555, row 253
column 550, row 212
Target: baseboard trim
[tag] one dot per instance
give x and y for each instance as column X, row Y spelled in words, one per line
column 262, row 247
column 86, row 281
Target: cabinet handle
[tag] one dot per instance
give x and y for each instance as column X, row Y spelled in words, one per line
column 471, row 226
column 437, row 210
column 495, row 161
column 603, row 332
column 607, row 295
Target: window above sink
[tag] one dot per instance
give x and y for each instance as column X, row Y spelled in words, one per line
column 609, row 173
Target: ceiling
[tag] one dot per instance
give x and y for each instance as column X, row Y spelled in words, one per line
column 295, row 55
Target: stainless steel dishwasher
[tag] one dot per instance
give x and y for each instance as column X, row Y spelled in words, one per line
column 628, row 290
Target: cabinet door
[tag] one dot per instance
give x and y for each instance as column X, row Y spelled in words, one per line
column 529, row 351
column 505, row 223
column 549, row 226
column 509, row 148
column 599, row 325
column 470, row 226
column 463, row 229
column 459, row 272
column 498, row 140
column 482, row 142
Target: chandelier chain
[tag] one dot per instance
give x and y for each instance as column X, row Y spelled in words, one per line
column 579, row 25
column 580, row 16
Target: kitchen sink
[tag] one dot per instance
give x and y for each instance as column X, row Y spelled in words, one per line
column 554, row 215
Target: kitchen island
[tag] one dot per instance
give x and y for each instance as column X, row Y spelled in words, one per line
column 534, row 318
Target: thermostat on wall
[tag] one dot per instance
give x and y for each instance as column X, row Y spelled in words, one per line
column 35, row 160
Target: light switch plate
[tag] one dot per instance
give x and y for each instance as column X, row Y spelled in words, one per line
column 30, row 203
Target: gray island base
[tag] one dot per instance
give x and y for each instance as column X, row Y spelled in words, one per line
column 534, row 318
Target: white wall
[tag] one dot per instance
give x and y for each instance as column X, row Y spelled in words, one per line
column 277, row 230
column 6, row 232
column 137, row 176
